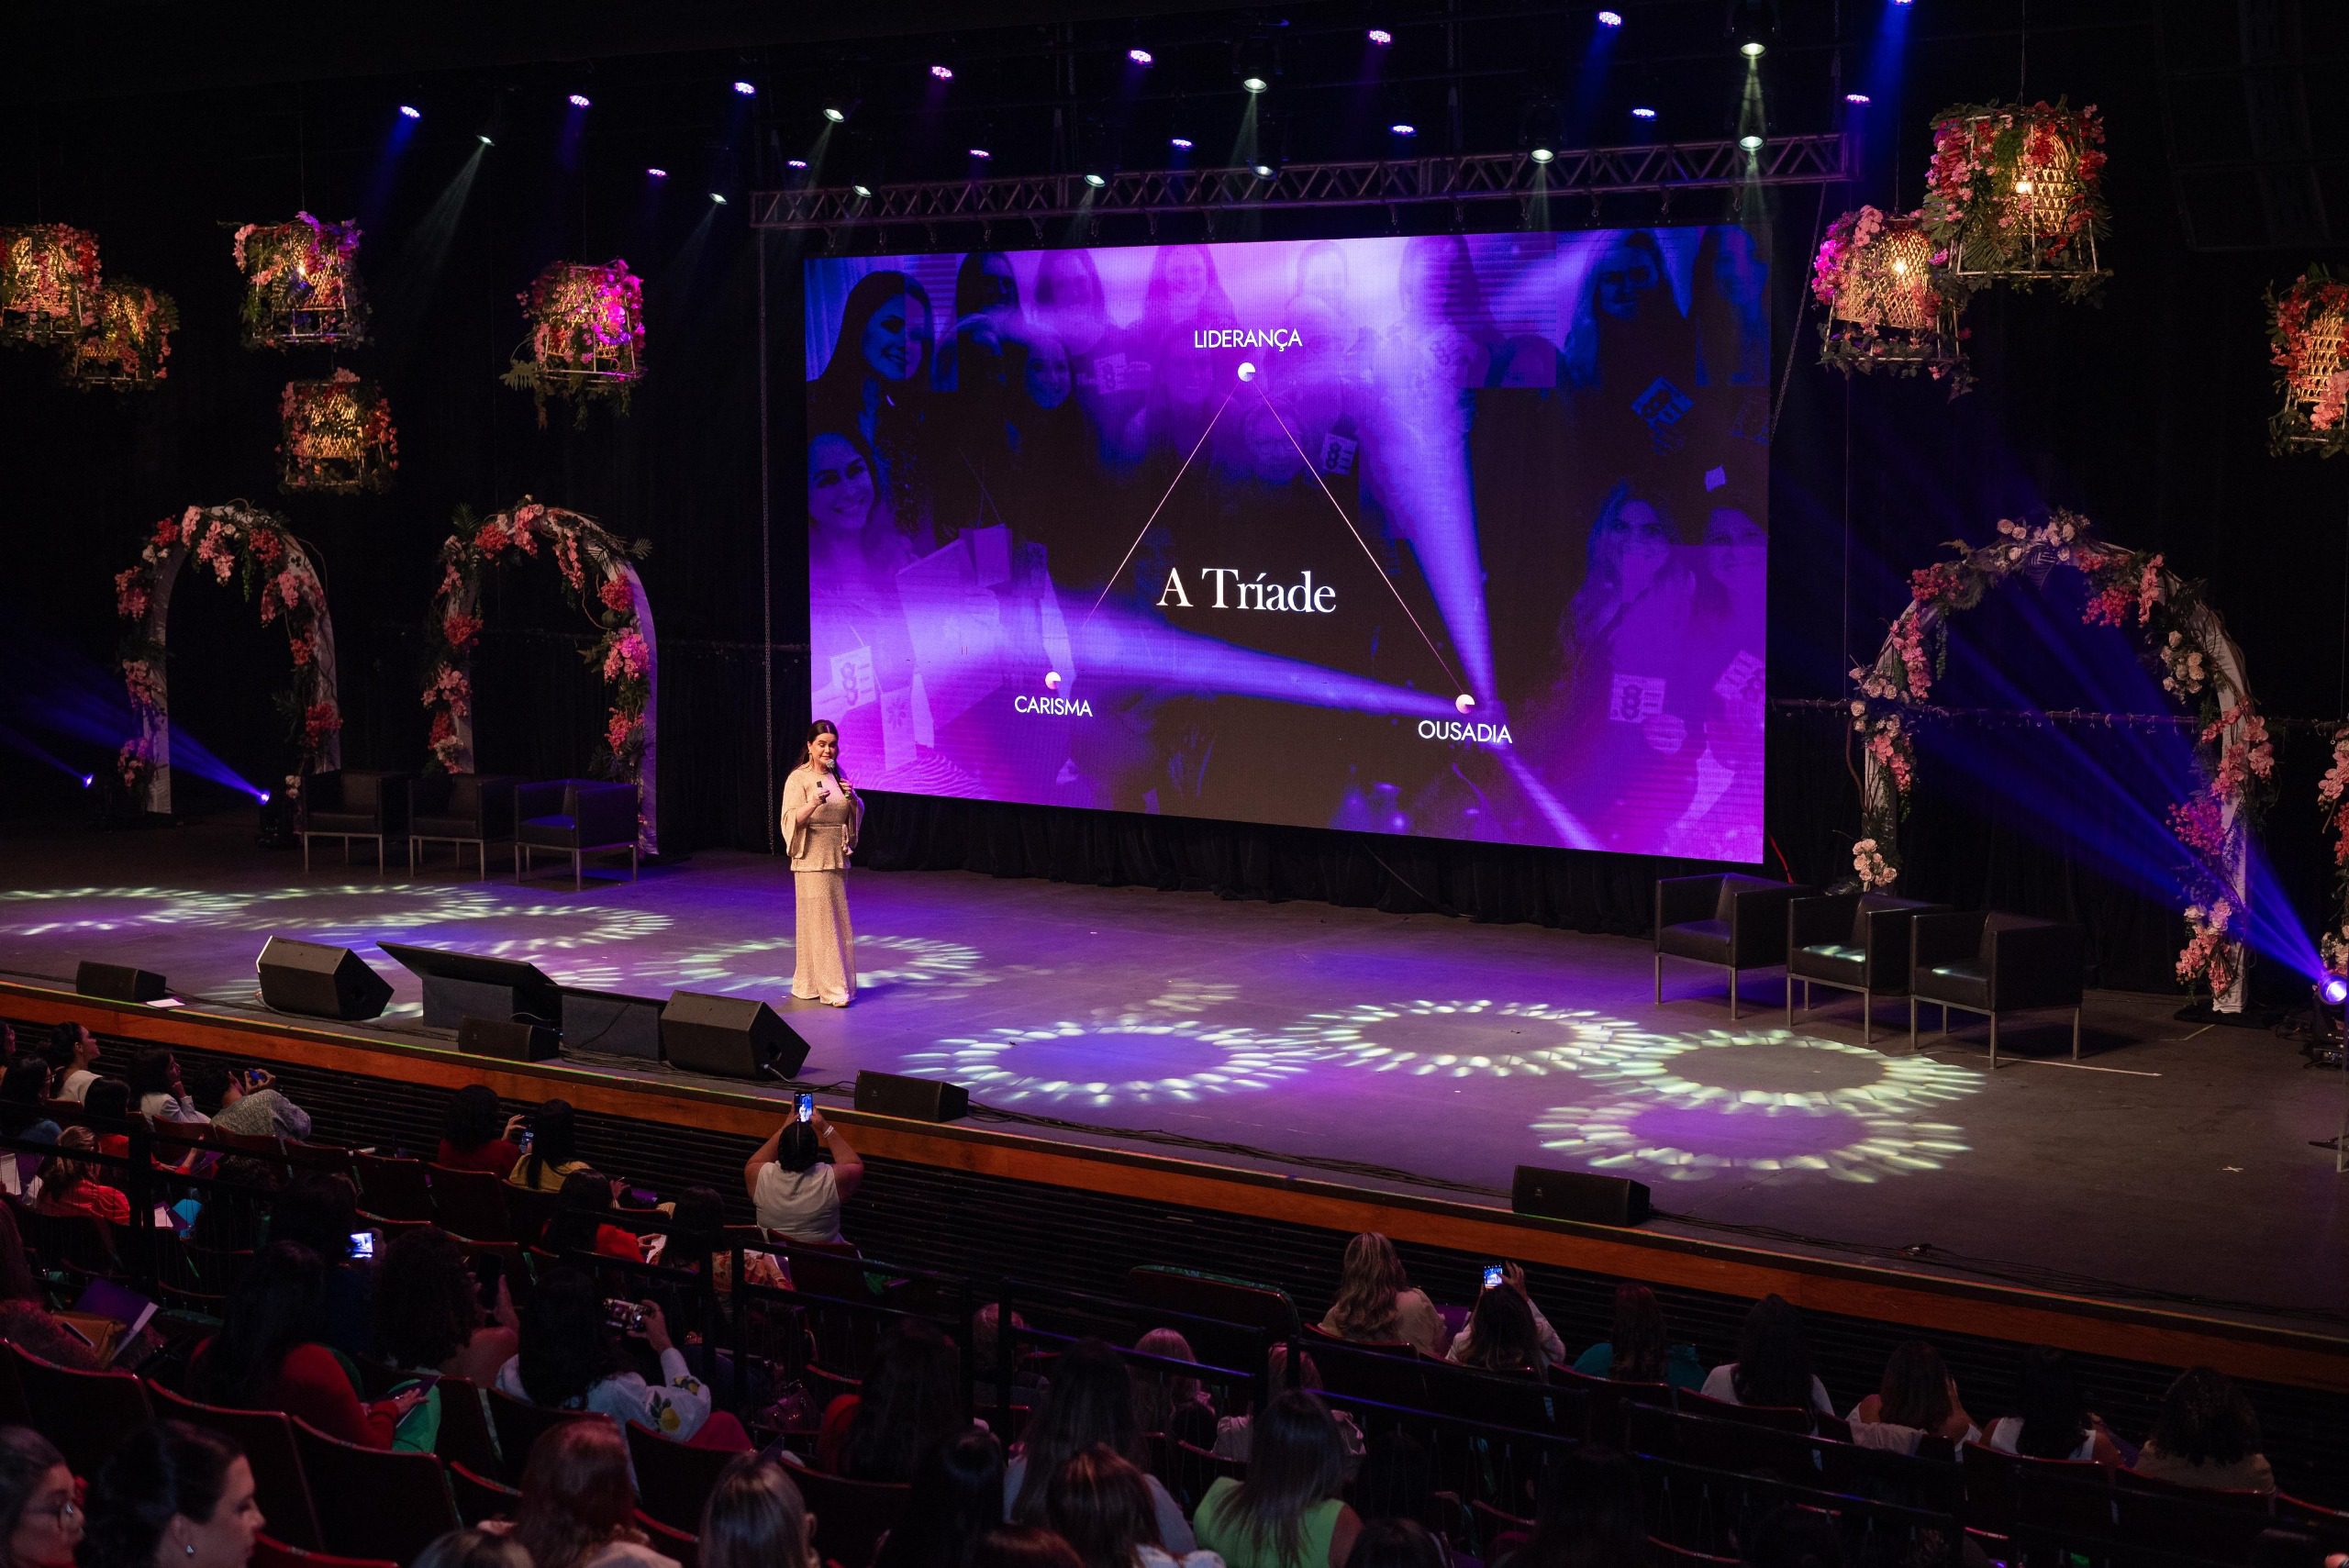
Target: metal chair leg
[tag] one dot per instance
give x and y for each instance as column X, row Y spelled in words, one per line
column 631, row 863
column 1659, row 978
column 1790, row 1000
column 1733, row 993
column 1868, row 1016
column 2075, row 1034
column 577, row 879
column 379, row 854
column 1944, row 1019
column 1913, row 1020
column 306, row 854
column 1994, row 1042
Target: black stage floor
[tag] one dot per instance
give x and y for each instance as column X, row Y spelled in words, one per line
column 1406, row 1053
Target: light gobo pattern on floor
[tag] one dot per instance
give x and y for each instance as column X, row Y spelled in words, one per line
column 1075, row 1063
column 1480, row 1038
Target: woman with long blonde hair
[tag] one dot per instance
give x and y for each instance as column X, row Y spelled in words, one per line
column 821, row 814
column 1376, row 1303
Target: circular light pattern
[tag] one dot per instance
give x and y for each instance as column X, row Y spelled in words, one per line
column 1678, row 1145
column 394, row 910
column 1485, row 1039
column 881, row 961
column 1080, row 1065
column 114, row 909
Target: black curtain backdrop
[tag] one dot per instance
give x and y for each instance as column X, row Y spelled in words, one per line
column 2145, row 410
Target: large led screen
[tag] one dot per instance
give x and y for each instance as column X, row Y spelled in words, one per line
column 1456, row 536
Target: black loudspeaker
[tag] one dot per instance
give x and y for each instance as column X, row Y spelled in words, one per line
column 322, row 981
column 611, row 1024
column 515, row 1042
column 1578, row 1194
column 118, row 982
column 916, row 1100
column 729, row 1037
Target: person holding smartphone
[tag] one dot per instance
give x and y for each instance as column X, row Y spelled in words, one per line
column 1506, row 1331
column 800, row 1177
column 247, row 1102
column 821, row 815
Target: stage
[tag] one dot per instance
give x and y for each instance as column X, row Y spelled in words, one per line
column 2171, row 1167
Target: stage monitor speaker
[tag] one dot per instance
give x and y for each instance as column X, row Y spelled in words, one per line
column 515, row 1042
column 729, row 1037
column 916, row 1100
column 461, row 985
column 613, row 1025
column 322, row 981
column 1578, row 1194
column 118, row 982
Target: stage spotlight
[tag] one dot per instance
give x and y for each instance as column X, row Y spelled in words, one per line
column 1644, row 113
column 747, row 90
column 862, row 189
column 1381, row 36
column 835, row 114
column 1254, row 83
column 484, row 140
column 716, row 200
column 410, row 112
column 1752, row 25
column 657, row 172
column 1096, row 181
column 1610, row 18
column 1541, row 155
column 579, row 100
column 88, row 780
column 1140, row 56
column 1262, row 170
column 1856, row 98
column 795, row 164
column 1752, row 48
column 1403, row 128
column 2336, row 991
column 1751, row 142
column 942, row 73
column 1180, row 143
column 981, row 152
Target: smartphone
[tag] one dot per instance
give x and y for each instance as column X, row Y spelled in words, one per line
column 806, row 1105
column 253, row 1077
column 363, row 1244
column 625, row 1315
column 1494, row 1277
column 524, row 1138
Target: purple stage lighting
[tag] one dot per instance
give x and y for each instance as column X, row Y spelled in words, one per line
column 264, row 797
column 410, row 112
column 88, row 780
column 1644, row 113
column 1610, row 18
column 981, row 152
column 944, row 73
column 746, row 89
column 1140, row 56
column 658, row 173
column 579, row 100
column 1381, row 36
column 1403, row 128
column 2336, row 991
column 1856, row 98
column 797, row 163
column 1180, row 144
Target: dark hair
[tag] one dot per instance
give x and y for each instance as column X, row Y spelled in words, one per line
column 2204, row 1419
column 1503, row 1335
column 846, row 369
column 798, row 1147
column 756, row 1517
column 428, row 1302
column 280, row 1303
column 554, row 1139
column 807, row 754
column 107, row 1102
column 1639, row 1336
column 566, row 1348
column 1090, row 1401
column 150, row 1072
column 63, row 1039
column 957, row 1498
column 1773, row 1357
column 697, row 1229
column 2053, row 1417
column 577, row 1494
column 166, row 1469
column 207, row 1085
column 582, row 1203
column 1296, row 1461
column 26, row 1459
column 1024, row 1546
column 1396, row 1543
column 473, row 1118
column 22, row 1088
column 1915, row 1392
column 472, row 1548
column 911, row 1401
column 1100, row 1505
column 1585, row 1513
column 319, row 1210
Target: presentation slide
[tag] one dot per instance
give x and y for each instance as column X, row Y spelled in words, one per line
column 1456, row 536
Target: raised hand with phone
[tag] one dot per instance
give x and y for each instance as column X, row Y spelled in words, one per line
column 800, row 1176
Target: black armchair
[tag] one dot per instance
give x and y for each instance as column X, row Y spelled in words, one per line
column 577, row 817
column 1724, row 920
column 460, row 809
column 1853, row 942
column 1993, row 963
column 347, row 804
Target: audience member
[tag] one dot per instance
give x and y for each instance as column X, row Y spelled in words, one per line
column 1090, row 1402
column 1507, row 1332
column 1641, row 1351
column 477, row 1135
column 73, row 1056
column 986, row 1351
column 1100, row 1502
column 1585, row 1514
column 910, row 1402
column 2052, row 1420
column 157, row 1089
column 1773, row 1364
column 319, row 1210
column 570, row 1359
column 25, row 1318
column 581, row 1208
column 1171, row 1401
column 2207, row 1436
column 473, row 1549
column 106, row 1105
column 173, row 1495
column 430, row 1321
column 248, row 1104
column 1377, row 1303
column 1795, row 1537
column 23, row 1087
column 40, row 1503
column 554, row 1150
column 957, row 1497
column 1918, row 1400
column 1287, row 1513
column 1397, row 1544
column 1231, row 1433
column 270, row 1354
column 1024, row 1546
column 755, row 1518
column 71, row 1185
column 235, row 1214
column 1397, row 1480
column 796, row 1193
column 578, row 1507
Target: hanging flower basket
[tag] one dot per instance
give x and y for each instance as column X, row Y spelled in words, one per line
column 126, row 350
column 1880, row 278
column 335, row 437
column 587, row 337
column 2015, row 195
column 301, row 284
column 2308, row 335
column 48, row 284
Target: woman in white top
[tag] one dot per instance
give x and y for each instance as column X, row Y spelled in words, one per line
column 156, row 1091
column 796, row 1194
column 73, row 1057
column 1918, row 1400
column 821, row 814
column 2053, row 1421
column 1773, row 1364
column 1520, row 1339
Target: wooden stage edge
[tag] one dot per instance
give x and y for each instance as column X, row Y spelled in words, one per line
column 2162, row 1337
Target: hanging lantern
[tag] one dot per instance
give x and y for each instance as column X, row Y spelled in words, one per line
column 335, row 437
column 587, row 337
column 2016, row 194
column 2308, row 335
column 126, row 349
column 1881, row 281
column 48, row 284
column 301, row 284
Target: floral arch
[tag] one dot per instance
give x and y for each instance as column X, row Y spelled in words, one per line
column 235, row 540
column 2201, row 669
column 599, row 573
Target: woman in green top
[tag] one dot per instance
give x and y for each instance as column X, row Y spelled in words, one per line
column 1287, row 1514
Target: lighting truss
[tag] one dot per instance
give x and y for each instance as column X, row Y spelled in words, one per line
column 1388, row 182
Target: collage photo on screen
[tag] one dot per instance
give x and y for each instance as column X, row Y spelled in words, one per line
column 1452, row 535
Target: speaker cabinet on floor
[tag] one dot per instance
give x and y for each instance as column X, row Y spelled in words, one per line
column 513, row 1042
column 1578, row 1194
column 118, row 982
column 729, row 1037
column 322, row 981
column 916, row 1100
